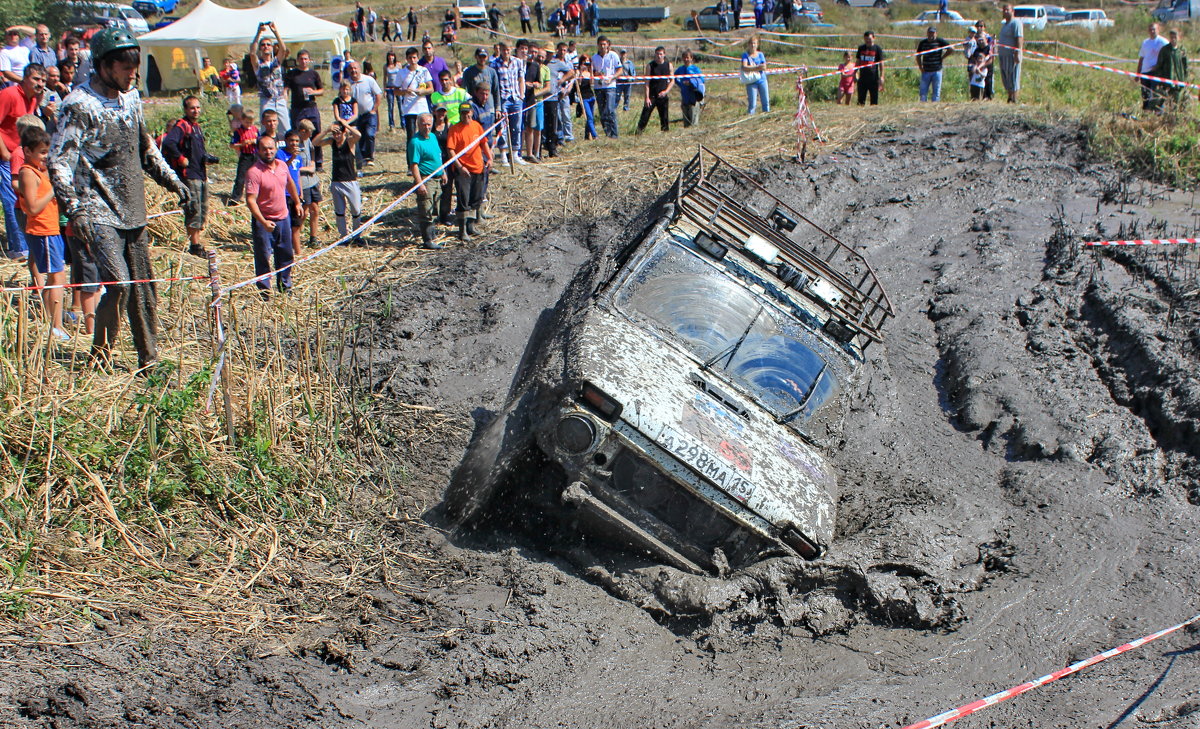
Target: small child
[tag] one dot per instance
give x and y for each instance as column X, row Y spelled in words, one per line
column 290, row 155
column 46, row 248
column 310, row 185
column 231, row 79
column 244, row 140
column 979, row 71
column 345, row 108
column 846, row 82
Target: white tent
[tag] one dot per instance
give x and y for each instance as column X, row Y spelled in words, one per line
column 215, row 31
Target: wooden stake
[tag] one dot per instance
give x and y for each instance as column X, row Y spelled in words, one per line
column 214, row 280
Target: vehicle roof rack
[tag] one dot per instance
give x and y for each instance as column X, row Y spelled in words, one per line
column 859, row 300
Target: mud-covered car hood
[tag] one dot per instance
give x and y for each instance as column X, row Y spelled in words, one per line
column 759, row 462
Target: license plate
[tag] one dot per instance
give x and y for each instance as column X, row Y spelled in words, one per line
column 706, row 464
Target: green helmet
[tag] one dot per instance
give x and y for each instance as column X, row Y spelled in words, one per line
column 109, row 40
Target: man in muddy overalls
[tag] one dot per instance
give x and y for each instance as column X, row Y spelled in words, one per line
column 97, row 158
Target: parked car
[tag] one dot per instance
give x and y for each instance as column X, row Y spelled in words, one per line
column 866, row 3
column 710, row 20
column 1031, row 16
column 472, row 12
column 1055, row 13
column 165, row 21
column 676, row 402
column 934, row 17
column 107, row 14
column 808, row 11
column 155, row 7
column 1090, row 19
column 1169, row 10
column 630, row 19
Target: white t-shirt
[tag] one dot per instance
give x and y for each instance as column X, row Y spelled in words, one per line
column 605, row 65
column 1149, row 52
column 413, row 80
column 17, row 58
column 364, row 90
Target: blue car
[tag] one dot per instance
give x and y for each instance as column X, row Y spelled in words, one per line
column 155, row 7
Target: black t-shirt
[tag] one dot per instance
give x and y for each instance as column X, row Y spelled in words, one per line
column 868, row 54
column 295, row 80
column 659, row 69
column 931, row 61
column 533, row 74
column 343, row 162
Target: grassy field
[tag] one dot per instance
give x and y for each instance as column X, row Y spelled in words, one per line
column 124, row 493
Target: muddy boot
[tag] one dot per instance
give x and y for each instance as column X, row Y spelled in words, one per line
column 464, row 233
column 428, row 233
column 483, row 211
column 471, row 229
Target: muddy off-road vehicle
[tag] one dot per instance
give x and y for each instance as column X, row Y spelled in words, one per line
column 669, row 407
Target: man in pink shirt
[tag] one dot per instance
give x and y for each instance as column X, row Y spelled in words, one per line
column 269, row 188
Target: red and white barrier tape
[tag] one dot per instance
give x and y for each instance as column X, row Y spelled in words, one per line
column 980, row 704
column 1097, row 66
column 1143, row 242
column 102, row 283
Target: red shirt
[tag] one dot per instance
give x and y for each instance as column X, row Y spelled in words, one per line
column 13, row 106
column 461, row 135
column 269, row 186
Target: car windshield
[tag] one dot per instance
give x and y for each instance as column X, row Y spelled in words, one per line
column 1024, row 13
column 728, row 328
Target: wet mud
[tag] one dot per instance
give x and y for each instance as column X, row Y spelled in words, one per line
column 1018, row 471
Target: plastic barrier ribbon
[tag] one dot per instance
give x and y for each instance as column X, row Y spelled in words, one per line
column 1143, row 242
column 979, row 704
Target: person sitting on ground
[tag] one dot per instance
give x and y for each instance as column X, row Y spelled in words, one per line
column 424, row 163
column 347, row 196
column 42, row 232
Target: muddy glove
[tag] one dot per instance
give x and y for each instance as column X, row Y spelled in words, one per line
column 85, row 231
column 185, row 195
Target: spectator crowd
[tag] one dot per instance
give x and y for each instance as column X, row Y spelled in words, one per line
column 517, row 104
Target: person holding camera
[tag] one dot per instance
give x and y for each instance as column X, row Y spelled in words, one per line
column 267, row 57
column 183, row 148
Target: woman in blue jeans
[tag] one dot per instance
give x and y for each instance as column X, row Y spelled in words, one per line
column 587, row 96
column 391, row 82
column 754, row 76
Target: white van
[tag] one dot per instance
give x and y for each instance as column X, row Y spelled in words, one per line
column 108, row 15
column 1031, row 16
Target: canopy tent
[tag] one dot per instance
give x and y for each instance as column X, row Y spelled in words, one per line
column 210, row 30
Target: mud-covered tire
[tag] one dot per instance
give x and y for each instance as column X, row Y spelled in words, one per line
column 488, row 462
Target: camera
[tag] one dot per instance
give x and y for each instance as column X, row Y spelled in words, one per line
column 211, row 159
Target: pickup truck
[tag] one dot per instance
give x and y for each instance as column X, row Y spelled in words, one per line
column 628, row 19
column 678, row 401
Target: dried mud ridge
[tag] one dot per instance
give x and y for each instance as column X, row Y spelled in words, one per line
column 1016, row 466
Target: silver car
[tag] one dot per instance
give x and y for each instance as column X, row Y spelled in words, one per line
column 674, row 405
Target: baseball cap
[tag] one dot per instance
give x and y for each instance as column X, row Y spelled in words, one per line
column 464, row 105
column 481, row 51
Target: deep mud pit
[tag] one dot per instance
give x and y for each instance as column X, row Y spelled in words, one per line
column 1016, row 466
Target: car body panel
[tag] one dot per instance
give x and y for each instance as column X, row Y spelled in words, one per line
column 1033, row 17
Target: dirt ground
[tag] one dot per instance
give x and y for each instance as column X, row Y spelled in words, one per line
column 1018, row 469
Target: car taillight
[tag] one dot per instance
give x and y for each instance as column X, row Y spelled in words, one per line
column 599, row 402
